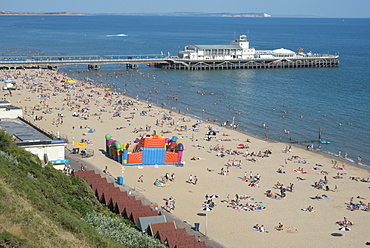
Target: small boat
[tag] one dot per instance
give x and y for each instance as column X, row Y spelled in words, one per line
column 324, row 142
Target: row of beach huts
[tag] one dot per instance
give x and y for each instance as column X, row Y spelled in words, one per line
column 146, row 218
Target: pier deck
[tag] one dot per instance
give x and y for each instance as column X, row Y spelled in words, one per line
column 132, row 61
column 184, row 64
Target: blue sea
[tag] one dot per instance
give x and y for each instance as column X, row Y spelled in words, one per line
column 261, row 101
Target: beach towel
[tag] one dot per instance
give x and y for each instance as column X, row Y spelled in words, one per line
column 257, row 230
column 158, row 183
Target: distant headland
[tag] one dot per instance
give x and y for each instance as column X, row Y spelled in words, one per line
column 200, row 14
column 193, row 14
column 51, row 13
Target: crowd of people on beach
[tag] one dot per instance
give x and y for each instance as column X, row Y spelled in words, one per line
column 79, row 96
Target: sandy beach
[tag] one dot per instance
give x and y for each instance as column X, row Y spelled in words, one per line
column 222, row 166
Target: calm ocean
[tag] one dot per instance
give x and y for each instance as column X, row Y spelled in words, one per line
column 335, row 100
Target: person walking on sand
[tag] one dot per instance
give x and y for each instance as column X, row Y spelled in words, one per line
column 140, row 180
column 195, row 180
column 190, row 179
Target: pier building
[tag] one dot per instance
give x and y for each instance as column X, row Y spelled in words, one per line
column 239, row 55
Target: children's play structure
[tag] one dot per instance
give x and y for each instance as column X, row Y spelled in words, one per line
column 152, row 150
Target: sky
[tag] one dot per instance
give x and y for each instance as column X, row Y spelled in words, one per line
column 277, row 8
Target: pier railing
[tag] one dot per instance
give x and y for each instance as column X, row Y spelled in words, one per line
column 93, row 61
column 131, row 61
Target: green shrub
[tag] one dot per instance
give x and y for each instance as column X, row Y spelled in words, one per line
column 9, row 240
column 119, row 232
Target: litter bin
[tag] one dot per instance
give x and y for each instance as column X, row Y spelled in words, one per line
column 120, row 180
column 196, row 227
column 75, row 150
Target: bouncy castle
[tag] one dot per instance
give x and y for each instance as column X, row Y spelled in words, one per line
column 149, row 150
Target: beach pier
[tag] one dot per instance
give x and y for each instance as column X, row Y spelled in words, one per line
column 239, row 55
column 184, row 64
column 93, row 62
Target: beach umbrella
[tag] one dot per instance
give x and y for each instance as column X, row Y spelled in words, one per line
column 214, row 196
column 261, row 203
column 345, row 229
column 206, row 207
column 241, row 145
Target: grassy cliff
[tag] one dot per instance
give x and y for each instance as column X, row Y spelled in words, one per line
column 42, row 207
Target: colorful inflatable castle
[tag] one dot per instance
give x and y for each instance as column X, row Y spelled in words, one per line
column 147, row 151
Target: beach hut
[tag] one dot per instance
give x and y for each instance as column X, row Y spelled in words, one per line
column 107, row 196
column 143, row 222
column 174, row 241
column 128, row 210
column 155, row 227
column 120, row 206
column 114, row 200
column 136, row 215
column 162, row 235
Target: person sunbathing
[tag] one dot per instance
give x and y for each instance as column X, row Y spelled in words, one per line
column 309, row 209
column 345, row 222
column 338, row 177
column 367, row 209
column 280, row 227
column 271, row 195
column 194, row 158
column 253, row 184
column 256, row 227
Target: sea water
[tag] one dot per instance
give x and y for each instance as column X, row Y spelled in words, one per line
column 285, row 105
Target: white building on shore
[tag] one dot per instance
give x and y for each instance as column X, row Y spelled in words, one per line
column 31, row 138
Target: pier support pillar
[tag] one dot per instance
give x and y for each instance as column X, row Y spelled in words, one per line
column 93, row 67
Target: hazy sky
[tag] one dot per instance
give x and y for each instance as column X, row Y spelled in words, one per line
column 316, row 8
